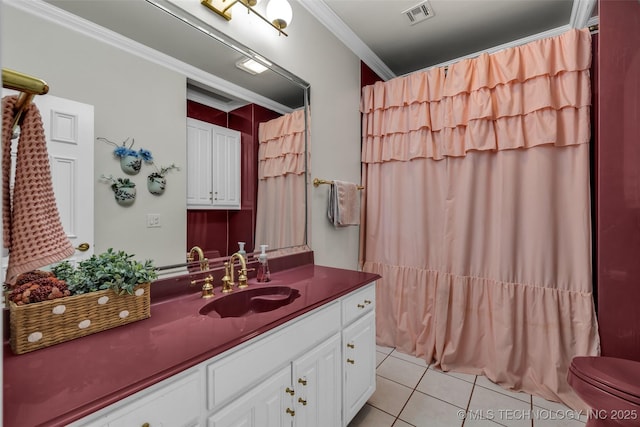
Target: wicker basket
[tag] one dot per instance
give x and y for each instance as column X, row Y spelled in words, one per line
column 42, row 324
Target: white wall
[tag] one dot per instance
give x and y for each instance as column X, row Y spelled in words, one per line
column 132, row 98
column 148, row 94
column 317, row 56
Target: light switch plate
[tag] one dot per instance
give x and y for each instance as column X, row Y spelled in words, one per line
column 153, row 220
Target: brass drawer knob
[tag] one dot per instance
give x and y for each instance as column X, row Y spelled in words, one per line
column 302, row 381
column 291, row 412
column 291, row 392
column 353, row 362
column 360, row 306
column 146, row 425
column 301, row 400
column 367, row 301
column 351, row 345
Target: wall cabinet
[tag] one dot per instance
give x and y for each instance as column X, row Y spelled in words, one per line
column 213, row 166
column 315, row 371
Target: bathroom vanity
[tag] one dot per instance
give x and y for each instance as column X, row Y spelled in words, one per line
column 310, row 362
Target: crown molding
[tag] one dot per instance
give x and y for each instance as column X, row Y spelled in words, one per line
column 327, row 17
column 75, row 23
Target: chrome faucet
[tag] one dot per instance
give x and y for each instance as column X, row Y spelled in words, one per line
column 228, row 279
column 204, row 262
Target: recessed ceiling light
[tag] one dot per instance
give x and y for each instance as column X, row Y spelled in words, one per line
column 251, row 66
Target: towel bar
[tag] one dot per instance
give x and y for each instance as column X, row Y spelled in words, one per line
column 318, row 181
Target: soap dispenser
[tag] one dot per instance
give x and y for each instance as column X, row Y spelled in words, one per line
column 263, row 265
column 241, row 250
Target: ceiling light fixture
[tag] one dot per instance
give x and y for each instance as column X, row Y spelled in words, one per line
column 251, row 66
column 279, row 12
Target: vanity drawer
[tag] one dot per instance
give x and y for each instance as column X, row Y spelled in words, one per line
column 174, row 404
column 359, row 303
column 246, row 367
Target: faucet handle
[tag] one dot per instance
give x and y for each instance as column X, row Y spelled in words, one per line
column 227, row 284
column 207, row 288
column 242, row 277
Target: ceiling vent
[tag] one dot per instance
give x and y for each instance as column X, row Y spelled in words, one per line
column 419, row 12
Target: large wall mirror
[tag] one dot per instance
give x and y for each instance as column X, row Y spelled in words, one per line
column 213, row 75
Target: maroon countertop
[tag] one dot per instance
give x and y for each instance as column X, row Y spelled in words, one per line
column 57, row 385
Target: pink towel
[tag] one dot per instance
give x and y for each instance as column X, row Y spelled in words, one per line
column 32, row 229
column 344, row 206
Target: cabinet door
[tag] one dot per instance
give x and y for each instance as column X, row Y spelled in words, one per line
column 199, row 155
column 213, row 166
column 359, row 349
column 226, row 168
column 266, row 405
column 316, row 381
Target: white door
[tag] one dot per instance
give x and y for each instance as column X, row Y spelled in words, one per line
column 68, row 126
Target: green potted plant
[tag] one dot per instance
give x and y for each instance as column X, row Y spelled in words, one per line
column 115, row 270
column 104, row 291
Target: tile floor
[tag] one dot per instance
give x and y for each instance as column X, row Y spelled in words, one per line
column 410, row 393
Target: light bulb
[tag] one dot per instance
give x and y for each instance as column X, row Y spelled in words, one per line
column 279, row 13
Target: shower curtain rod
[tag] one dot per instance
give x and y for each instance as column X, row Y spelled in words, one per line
column 445, row 66
column 27, row 85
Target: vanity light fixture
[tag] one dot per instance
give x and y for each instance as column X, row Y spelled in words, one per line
column 279, row 12
column 251, row 66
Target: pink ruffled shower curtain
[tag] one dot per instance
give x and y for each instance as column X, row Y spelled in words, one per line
column 478, row 214
column 280, row 217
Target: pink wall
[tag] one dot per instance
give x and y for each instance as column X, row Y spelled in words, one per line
column 618, row 178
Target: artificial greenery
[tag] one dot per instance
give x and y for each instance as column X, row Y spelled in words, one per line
column 119, row 182
column 109, row 270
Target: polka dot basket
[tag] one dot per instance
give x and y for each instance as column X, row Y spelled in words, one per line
column 42, row 324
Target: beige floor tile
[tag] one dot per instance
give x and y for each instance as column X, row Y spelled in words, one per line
column 446, row 387
column 383, row 349
column 466, row 377
column 483, row 381
column 472, row 422
column 372, row 417
column 560, row 409
column 498, row 407
column 380, row 357
column 546, row 418
column 400, row 423
column 426, row 411
column 389, row 396
column 401, row 371
column 409, row 358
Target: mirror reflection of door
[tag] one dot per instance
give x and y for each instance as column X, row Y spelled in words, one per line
column 68, row 127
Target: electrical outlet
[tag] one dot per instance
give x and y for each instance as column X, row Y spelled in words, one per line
column 153, row 220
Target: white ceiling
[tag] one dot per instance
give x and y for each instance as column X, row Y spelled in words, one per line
column 377, row 31
column 381, row 34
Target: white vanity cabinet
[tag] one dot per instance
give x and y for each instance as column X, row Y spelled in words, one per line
column 213, row 166
column 175, row 402
column 316, row 380
column 359, row 350
column 317, row 370
column 264, row 406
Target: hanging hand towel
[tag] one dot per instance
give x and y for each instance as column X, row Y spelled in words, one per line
column 32, row 230
column 344, row 206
